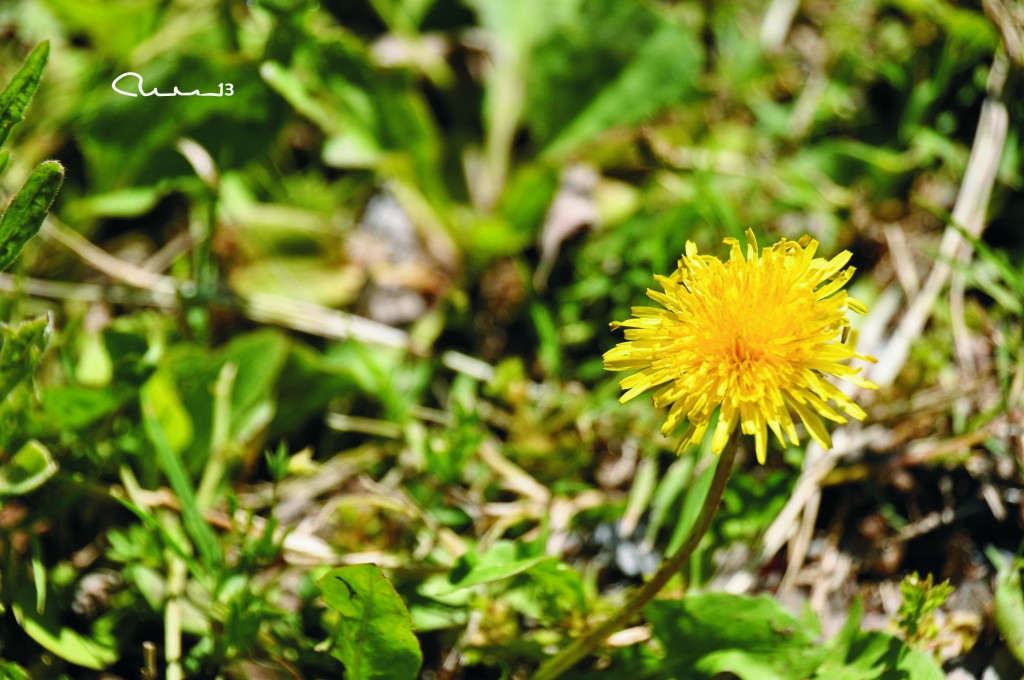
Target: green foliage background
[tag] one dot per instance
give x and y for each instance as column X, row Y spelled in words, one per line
column 354, row 314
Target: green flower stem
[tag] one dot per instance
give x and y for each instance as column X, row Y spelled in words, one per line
column 583, row 646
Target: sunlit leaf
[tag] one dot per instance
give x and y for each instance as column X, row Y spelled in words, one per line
column 374, row 636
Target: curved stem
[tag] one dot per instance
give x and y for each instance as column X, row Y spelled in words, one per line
column 569, row 656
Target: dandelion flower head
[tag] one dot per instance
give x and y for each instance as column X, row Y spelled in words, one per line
column 755, row 336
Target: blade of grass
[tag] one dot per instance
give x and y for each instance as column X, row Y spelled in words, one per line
column 220, row 443
column 198, row 530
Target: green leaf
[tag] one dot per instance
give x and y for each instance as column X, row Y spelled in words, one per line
column 45, row 628
column 856, row 655
column 752, row 637
column 161, row 392
column 28, row 209
column 290, row 86
column 130, row 141
column 879, row 656
column 500, row 562
column 373, row 118
column 12, row 671
column 27, row 469
column 259, row 357
column 23, row 347
column 654, row 57
column 73, row 408
column 1009, row 609
column 307, row 384
column 16, row 96
column 662, row 71
column 173, row 467
column 113, row 27
column 551, row 592
column 375, row 638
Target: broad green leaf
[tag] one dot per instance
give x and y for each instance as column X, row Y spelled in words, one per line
column 16, row 96
column 551, row 592
column 655, row 60
column 913, row 663
column 856, row 655
column 28, row 209
column 47, row 629
column 374, row 636
column 879, row 656
column 308, row 279
column 663, row 71
column 161, row 392
column 1009, row 609
column 27, row 469
column 73, row 407
column 259, row 357
column 752, row 637
column 127, row 202
column 431, row 616
column 500, row 562
column 23, row 347
column 113, row 27
column 307, row 384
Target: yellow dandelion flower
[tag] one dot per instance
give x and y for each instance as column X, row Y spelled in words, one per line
column 755, row 336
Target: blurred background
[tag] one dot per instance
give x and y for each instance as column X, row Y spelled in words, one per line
column 364, row 298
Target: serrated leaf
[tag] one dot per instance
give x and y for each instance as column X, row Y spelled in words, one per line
column 28, row 209
column 16, row 96
column 27, row 469
column 375, row 638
